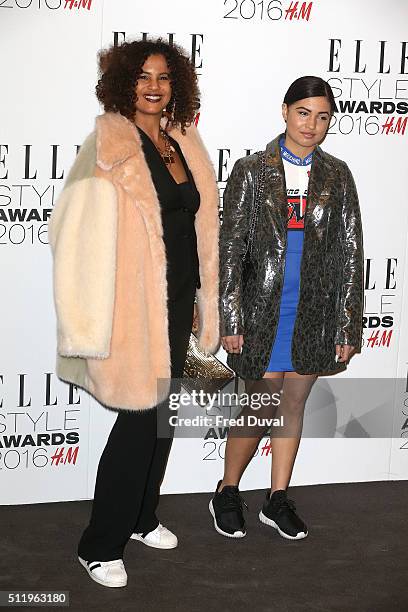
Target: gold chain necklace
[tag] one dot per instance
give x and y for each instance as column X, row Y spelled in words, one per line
column 168, row 153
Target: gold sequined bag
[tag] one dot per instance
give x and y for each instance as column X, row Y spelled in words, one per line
column 203, row 371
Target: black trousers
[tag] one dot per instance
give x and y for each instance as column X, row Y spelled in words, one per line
column 133, row 462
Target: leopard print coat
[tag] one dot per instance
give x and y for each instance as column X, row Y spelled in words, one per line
column 331, row 278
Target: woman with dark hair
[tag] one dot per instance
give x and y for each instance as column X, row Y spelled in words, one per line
column 135, row 236
column 291, row 289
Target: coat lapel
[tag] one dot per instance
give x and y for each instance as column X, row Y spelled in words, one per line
column 320, row 187
column 207, row 229
column 275, row 180
column 117, row 139
column 119, row 151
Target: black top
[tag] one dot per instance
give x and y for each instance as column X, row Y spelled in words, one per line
column 179, row 204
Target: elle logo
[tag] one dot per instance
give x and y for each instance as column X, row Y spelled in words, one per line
column 70, row 4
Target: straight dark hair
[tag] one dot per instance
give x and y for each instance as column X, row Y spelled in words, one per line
column 309, row 87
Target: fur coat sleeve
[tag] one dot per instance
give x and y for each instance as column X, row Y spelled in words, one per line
column 82, row 232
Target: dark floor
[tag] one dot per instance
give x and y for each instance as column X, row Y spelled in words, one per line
column 355, row 557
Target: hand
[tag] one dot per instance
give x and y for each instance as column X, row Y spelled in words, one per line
column 344, row 352
column 232, row 344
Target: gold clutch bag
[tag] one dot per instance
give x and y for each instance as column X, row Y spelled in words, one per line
column 203, row 371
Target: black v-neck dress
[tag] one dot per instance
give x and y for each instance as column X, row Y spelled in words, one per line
column 179, row 204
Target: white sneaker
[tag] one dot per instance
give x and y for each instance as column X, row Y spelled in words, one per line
column 108, row 573
column 161, row 537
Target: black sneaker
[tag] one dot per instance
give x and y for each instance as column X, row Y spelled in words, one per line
column 280, row 512
column 226, row 509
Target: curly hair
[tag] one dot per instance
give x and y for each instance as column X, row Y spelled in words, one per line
column 120, row 67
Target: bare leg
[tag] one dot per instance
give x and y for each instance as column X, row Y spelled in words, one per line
column 243, row 441
column 295, row 391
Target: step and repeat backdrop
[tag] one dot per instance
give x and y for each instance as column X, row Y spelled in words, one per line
column 246, row 53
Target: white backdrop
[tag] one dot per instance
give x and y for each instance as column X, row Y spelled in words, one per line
column 247, row 53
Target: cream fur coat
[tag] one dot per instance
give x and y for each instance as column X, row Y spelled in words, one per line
column 110, row 285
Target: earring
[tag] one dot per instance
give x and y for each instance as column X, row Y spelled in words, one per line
column 168, row 115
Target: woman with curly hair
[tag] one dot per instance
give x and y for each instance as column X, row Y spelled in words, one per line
column 134, row 236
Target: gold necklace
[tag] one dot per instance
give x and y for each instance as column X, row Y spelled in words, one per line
column 167, row 154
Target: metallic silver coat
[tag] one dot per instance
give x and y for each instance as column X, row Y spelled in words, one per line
column 331, row 278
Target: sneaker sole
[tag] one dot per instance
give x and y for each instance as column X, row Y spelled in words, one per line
column 139, row 538
column 98, row 580
column 237, row 534
column 267, row 521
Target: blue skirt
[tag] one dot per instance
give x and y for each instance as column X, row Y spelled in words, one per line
column 281, row 356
